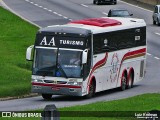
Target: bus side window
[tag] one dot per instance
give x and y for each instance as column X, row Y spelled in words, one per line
column 96, row 44
column 142, row 35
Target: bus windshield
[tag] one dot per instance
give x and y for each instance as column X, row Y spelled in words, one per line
column 58, row 62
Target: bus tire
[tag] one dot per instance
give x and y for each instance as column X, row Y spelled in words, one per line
column 158, row 22
column 91, row 92
column 47, row 96
column 154, row 22
column 130, row 81
column 123, row 82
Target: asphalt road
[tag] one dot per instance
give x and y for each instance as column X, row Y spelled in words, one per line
column 50, row 12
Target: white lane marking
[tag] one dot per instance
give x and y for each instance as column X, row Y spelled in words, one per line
column 105, row 13
column 55, row 13
column 40, row 6
column 36, row 4
column 50, row 10
column 157, row 33
column 136, row 6
column 149, row 54
column 157, row 58
column 84, row 5
column 65, row 17
column 153, row 56
column 59, row 15
column 45, row 8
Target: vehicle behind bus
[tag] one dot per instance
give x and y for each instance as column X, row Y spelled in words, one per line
column 97, row 2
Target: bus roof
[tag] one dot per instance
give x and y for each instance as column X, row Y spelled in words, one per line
column 99, row 22
column 97, row 25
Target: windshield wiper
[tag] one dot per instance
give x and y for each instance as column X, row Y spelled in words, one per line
column 59, row 66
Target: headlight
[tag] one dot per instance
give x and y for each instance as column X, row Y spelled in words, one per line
column 37, row 80
column 74, row 82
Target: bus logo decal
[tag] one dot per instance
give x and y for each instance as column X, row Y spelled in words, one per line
column 114, row 70
column 44, row 41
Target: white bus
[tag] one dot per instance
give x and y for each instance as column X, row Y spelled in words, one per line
column 88, row 56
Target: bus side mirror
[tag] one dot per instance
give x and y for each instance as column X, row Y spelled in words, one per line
column 84, row 56
column 29, row 53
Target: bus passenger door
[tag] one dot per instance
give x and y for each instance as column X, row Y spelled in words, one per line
column 98, row 73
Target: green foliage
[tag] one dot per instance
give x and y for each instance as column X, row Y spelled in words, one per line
column 15, row 72
column 146, row 102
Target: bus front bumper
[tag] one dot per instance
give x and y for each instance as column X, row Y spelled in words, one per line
column 56, row 89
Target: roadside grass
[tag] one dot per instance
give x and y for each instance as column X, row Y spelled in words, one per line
column 112, row 110
column 15, row 72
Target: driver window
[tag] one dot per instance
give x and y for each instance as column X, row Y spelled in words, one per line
column 75, row 59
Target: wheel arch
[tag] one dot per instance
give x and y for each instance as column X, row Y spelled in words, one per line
column 123, row 84
column 131, row 71
column 92, row 85
column 124, row 73
column 93, row 79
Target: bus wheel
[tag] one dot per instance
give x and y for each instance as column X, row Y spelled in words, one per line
column 123, row 82
column 158, row 22
column 91, row 90
column 154, row 22
column 47, row 96
column 130, row 81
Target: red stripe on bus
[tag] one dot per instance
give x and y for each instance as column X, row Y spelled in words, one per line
column 133, row 53
column 98, row 65
column 129, row 54
column 55, row 85
column 103, row 61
